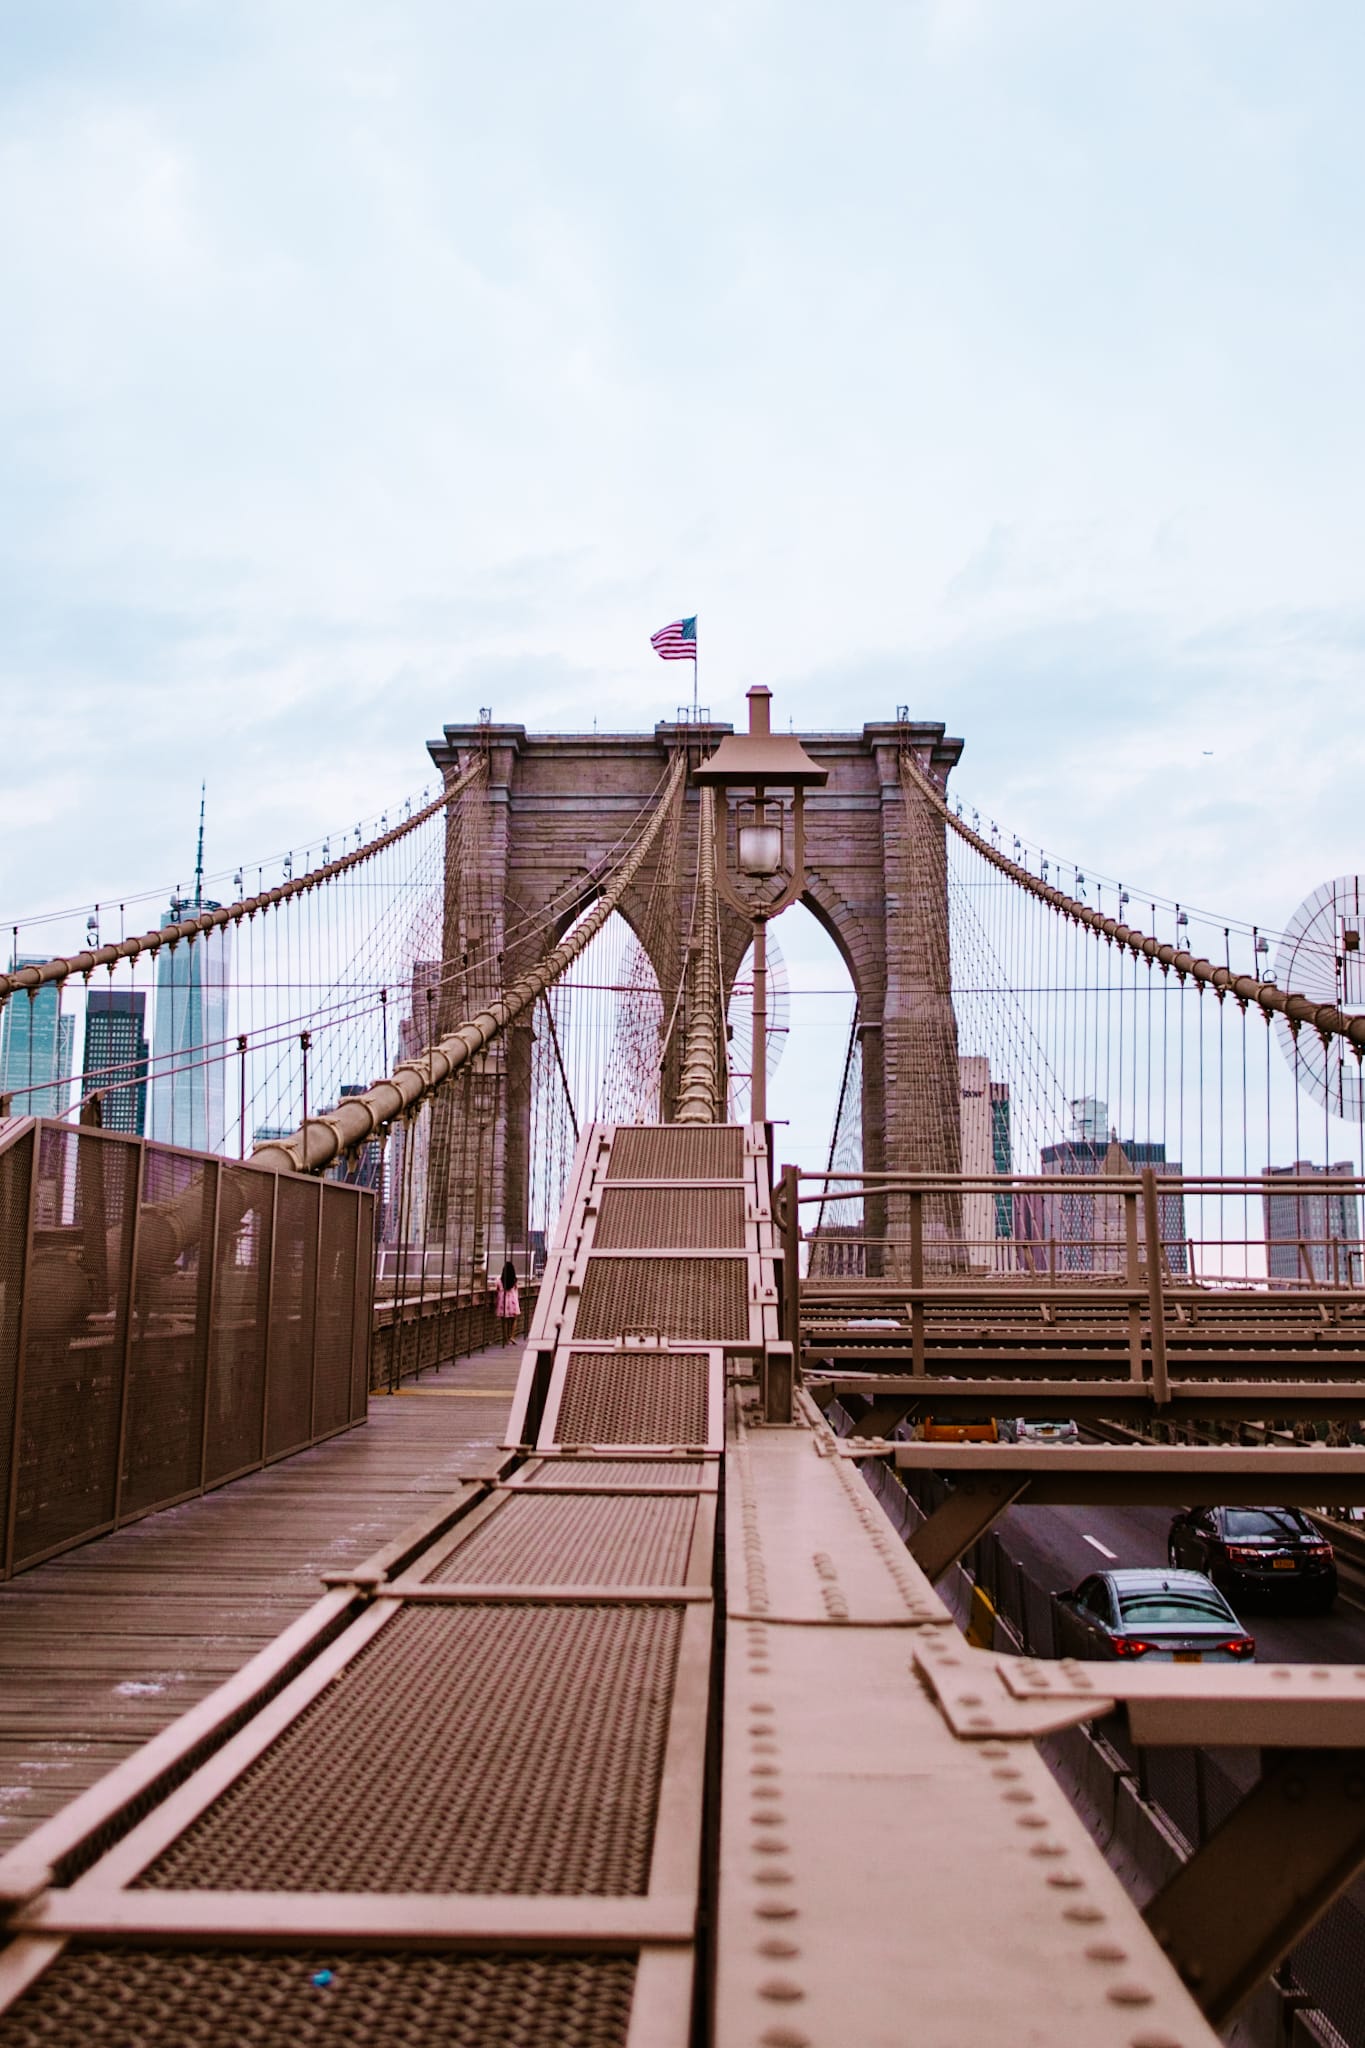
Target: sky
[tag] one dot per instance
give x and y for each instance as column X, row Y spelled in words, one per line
column 363, row 365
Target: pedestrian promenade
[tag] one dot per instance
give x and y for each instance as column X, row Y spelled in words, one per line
column 103, row 1646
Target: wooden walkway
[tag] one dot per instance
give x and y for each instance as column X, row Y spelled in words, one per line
column 103, row 1646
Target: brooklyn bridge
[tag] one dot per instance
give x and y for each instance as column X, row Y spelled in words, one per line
column 496, row 1549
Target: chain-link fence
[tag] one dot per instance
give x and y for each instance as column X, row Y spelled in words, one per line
column 168, row 1320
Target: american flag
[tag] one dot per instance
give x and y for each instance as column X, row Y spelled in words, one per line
column 677, row 642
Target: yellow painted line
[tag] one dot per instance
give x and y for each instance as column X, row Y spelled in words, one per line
column 466, row 1393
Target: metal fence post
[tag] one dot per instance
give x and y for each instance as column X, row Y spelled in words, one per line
column 1156, row 1293
column 21, row 1347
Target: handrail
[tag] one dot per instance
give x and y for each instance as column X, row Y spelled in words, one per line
column 324, row 1138
column 1275, row 1001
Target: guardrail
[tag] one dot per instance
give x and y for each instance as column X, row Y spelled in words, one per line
column 412, row 1336
column 1081, row 1284
column 168, row 1321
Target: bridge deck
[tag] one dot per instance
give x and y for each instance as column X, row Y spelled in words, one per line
column 102, row 1647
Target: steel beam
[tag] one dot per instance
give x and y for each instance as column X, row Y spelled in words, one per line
column 953, row 1527
column 1147, row 1475
column 1263, row 1878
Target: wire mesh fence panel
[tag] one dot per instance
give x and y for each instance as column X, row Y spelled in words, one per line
column 335, row 1308
column 1171, row 1780
column 1327, row 1964
column 240, row 1321
column 16, row 1173
column 168, row 1335
column 74, row 1340
column 362, row 1308
column 289, row 1362
column 1038, row 1620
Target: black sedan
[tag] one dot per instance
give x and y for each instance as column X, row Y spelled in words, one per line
column 1169, row 1617
column 1270, row 1554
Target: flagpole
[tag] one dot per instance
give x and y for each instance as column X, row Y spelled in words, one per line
column 696, row 643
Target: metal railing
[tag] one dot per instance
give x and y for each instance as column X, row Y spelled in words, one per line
column 1163, row 1281
column 168, row 1321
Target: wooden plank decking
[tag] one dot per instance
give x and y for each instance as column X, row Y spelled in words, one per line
column 102, row 1647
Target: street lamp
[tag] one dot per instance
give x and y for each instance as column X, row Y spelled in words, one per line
column 746, row 768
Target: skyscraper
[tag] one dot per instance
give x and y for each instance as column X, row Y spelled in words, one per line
column 189, row 1035
column 1082, row 1234
column 985, row 1113
column 116, row 1057
column 1312, row 1236
column 37, row 1048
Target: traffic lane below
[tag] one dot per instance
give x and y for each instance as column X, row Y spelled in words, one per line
column 1058, row 1547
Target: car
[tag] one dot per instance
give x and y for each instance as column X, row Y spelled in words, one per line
column 1258, row 1553
column 1025, row 1429
column 1168, row 1616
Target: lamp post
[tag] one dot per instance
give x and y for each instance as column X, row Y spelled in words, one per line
column 747, row 769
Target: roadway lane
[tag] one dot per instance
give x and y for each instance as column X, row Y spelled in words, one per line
column 1060, row 1546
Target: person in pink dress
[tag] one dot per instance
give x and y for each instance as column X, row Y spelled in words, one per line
column 507, row 1302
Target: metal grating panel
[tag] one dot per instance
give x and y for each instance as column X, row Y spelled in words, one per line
column 76, row 1322
column 636, row 1540
column 241, row 1314
column 606, row 1472
column 481, row 1749
column 701, row 1301
column 634, row 1397
column 169, row 1332
column 226, row 1998
column 289, row 1365
column 676, row 1217
column 677, row 1152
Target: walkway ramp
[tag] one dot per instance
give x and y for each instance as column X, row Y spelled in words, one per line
column 104, row 1646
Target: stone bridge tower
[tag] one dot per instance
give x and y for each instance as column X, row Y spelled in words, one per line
column 876, row 865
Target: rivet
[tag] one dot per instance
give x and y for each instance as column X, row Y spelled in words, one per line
column 1319, row 1674
column 768, row 1847
column 774, row 1909
column 1128, row 1994
column 1106, row 1952
column 772, row 1875
column 980, row 1721
column 1064, row 1880
column 761, row 1707
column 993, row 1749
column 1006, row 1770
column 1018, row 1795
column 765, row 1749
column 1046, row 1849
column 781, row 1990
column 777, row 1946
column 767, row 1792
column 1280, row 1671
column 969, row 1699
column 1031, row 1820
column 763, row 1770
column 1150, row 2038
column 784, row 2037
column 767, row 1820
column 1082, row 1911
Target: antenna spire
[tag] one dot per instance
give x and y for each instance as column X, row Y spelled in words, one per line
column 199, row 857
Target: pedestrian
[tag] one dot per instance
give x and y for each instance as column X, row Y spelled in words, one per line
column 507, row 1302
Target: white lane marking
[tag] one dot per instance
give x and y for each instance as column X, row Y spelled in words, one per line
column 1095, row 1544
